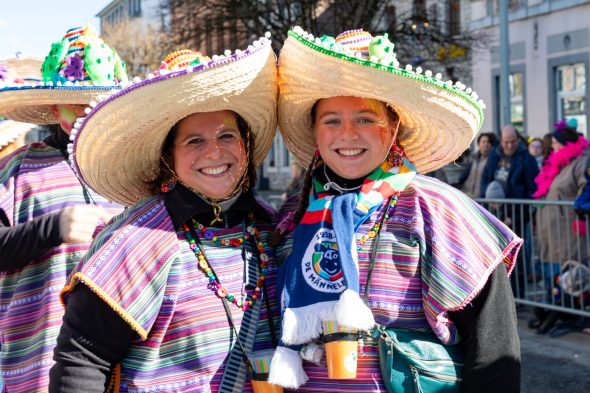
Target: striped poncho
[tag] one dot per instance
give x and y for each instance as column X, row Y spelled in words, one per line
column 436, row 253
column 145, row 271
column 34, row 181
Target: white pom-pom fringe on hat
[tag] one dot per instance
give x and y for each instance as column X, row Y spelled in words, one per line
column 118, row 146
column 437, row 121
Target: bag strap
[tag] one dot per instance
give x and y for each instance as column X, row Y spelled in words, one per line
column 374, row 249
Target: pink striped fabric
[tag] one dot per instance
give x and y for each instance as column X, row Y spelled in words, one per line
column 437, row 251
column 147, row 273
column 34, row 181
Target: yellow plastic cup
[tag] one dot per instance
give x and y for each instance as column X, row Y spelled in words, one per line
column 266, row 387
column 341, row 344
column 341, row 357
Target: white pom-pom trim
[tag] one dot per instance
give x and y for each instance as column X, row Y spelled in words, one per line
column 286, row 369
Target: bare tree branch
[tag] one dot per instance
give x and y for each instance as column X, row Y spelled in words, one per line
column 141, row 47
column 420, row 37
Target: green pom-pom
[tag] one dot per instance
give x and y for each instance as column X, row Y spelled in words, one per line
column 328, row 39
column 98, row 62
column 52, row 62
column 120, row 72
column 381, row 47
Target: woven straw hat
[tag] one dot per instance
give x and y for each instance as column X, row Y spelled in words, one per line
column 77, row 69
column 438, row 120
column 117, row 146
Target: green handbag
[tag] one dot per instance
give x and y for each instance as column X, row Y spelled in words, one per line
column 414, row 361
column 418, row 362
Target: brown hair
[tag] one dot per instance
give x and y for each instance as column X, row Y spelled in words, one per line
column 168, row 146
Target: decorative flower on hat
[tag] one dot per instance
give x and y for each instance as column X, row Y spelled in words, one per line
column 3, row 72
column 82, row 56
column 74, row 69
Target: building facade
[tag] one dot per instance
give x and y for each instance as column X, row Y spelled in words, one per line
column 152, row 12
column 549, row 53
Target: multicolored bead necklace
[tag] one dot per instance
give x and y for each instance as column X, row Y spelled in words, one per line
column 374, row 231
column 214, row 284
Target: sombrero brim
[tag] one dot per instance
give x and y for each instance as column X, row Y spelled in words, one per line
column 32, row 104
column 437, row 123
column 117, row 148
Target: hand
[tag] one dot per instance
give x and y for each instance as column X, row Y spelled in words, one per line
column 508, row 221
column 77, row 223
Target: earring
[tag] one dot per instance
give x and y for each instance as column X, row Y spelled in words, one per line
column 394, row 157
column 246, row 184
column 169, row 184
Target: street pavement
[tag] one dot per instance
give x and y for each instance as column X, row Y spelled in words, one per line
column 553, row 364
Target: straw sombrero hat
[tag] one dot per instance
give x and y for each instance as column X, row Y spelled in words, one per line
column 78, row 68
column 117, row 146
column 438, row 120
column 20, row 69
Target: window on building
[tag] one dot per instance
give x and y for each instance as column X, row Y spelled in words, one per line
column 286, row 158
column 491, row 8
column 517, row 102
column 134, row 8
column 271, row 158
column 208, row 36
column 454, row 16
column 570, row 86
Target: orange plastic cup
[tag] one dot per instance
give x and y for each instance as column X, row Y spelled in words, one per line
column 341, row 358
column 266, row 387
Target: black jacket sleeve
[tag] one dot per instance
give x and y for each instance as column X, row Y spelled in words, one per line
column 22, row 243
column 489, row 338
column 92, row 340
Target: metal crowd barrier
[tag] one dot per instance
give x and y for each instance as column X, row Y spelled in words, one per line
column 547, row 283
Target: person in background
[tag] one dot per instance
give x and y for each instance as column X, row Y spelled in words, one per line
column 536, row 150
column 562, row 178
column 546, row 145
column 47, row 215
column 470, row 179
column 511, row 165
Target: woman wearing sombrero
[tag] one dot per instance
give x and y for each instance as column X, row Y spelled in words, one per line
column 376, row 242
column 47, row 216
column 173, row 295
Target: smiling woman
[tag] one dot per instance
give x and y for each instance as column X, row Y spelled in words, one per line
column 185, row 277
column 370, row 240
column 353, row 134
column 209, row 153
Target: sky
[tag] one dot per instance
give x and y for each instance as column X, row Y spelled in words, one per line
column 31, row 26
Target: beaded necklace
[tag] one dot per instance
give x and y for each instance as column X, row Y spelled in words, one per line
column 214, row 284
column 374, row 231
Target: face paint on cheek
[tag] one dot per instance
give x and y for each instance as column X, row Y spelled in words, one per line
column 67, row 117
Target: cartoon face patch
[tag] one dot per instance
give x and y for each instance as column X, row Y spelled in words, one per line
column 321, row 263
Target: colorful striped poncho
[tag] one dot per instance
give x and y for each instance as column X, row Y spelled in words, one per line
column 436, row 253
column 144, row 269
column 36, row 180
